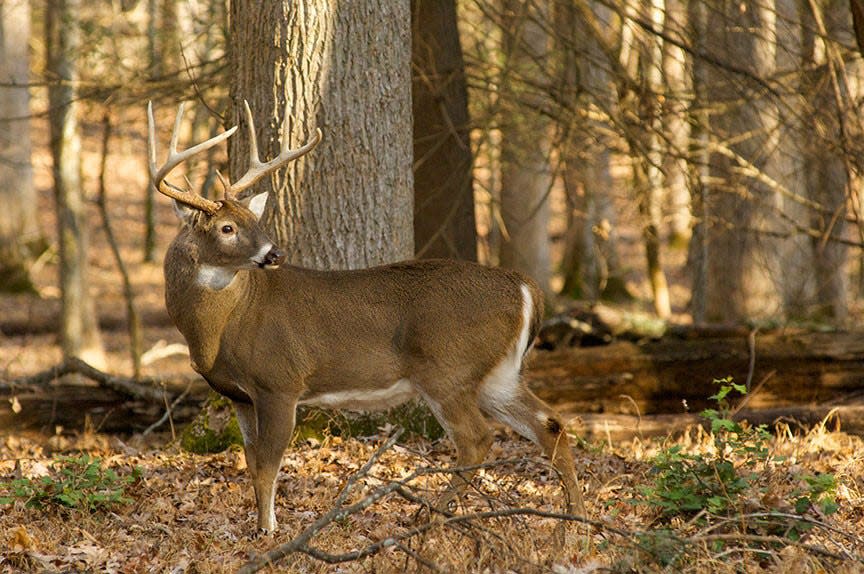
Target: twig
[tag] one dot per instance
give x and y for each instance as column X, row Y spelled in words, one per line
column 168, row 410
column 751, row 365
column 300, row 542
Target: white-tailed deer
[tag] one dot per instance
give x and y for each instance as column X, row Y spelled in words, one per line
column 271, row 336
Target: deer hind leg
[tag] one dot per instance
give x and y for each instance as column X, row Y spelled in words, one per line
column 466, row 426
column 521, row 410
column 267, row 427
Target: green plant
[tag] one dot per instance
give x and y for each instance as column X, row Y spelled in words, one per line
column 716, row 484
column 75, row 482
column 686, row 483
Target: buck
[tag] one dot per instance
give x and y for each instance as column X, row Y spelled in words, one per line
column 270, row 336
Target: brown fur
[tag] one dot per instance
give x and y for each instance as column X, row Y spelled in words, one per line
column 272, row 338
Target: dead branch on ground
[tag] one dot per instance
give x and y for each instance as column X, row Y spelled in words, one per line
column 150, row 389
column 471, row 523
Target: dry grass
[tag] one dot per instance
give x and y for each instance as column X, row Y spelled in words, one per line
column 195, row 513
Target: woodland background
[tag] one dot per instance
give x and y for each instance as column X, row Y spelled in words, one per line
column 653, row 165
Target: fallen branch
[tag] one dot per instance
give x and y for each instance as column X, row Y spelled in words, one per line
column 150, row 389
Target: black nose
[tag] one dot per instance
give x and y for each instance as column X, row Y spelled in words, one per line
column 274, row 258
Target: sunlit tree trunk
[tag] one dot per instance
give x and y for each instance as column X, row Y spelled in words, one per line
column 344, row 68
column 641, row 60
column 20, row 235
column 591, row 266
column 526, row 179
column 79, row 332
column 444, row 224
column 676, row 124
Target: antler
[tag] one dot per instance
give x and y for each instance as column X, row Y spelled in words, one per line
column 258, row 169
column 175, row 158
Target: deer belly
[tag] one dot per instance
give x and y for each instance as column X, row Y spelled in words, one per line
column 362, row 399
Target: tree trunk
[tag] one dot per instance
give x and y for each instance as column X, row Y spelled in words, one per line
column 79, row 331
column 20, row 236
column 738, row 246
column 526, row 179
column 444, row 224
column 591, row 266
column 643, row 60
column 676, row 127
column 344, row 68
column 674, row 375
column 827, row 175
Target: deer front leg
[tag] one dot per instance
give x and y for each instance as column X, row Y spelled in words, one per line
column 249, row 429
column 267, row 427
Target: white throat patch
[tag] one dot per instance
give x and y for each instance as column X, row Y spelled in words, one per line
column 215, row 278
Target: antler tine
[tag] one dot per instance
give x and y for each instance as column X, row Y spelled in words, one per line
column 257, row 169
column 175, row 158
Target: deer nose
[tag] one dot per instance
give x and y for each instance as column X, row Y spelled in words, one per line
column 274, row 258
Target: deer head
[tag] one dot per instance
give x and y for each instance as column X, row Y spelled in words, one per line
column 227, row 233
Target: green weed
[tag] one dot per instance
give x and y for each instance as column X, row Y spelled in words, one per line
column 74, row 482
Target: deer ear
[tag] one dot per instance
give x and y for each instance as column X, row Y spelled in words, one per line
column 257, row 203
column 183, row 211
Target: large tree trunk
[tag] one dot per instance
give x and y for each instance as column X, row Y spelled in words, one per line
column 739, row 265
column 344, row 68
column 526, row 179
column 20, row 235
column 444, row 223
column 676, row 127
column 591, row 266
column 79, row 331
column 827, row 175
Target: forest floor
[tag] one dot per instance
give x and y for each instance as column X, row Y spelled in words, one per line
column 191, row 513
column 181, row 512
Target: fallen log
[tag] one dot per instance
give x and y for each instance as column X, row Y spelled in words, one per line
column 614, row 428
column 112, row 403
column 611, row 387
column 676, row 376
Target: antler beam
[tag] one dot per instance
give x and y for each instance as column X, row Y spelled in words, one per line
column 258, row 169
column 175, row 158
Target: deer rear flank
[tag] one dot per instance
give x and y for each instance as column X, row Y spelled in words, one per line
column 270, row 336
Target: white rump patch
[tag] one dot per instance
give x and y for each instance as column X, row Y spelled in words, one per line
column 364, row 399
column 500, row 388
column 215, row 278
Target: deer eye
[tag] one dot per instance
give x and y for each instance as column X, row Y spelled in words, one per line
column 227, row 229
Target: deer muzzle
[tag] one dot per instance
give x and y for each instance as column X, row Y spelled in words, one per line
column 273, row 259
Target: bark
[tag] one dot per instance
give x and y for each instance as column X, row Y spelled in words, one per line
column 344, row 68
column 616, row 427
column 526, row 178
column 827, row 174
column 786, row 167
column 79, row 332
column 591, row 265
column 676, row 127
column 737, row 272
column 20, row 235
column 444, row 223
column 641, row 57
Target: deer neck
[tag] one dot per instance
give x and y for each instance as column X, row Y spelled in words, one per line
column 201, row 301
